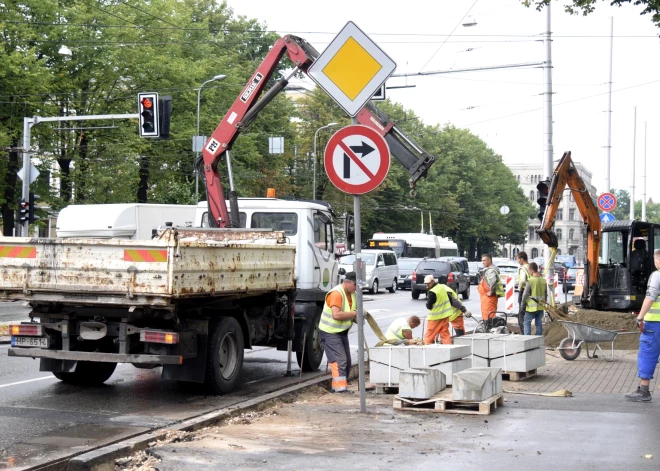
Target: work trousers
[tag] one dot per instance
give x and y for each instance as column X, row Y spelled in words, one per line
column 537, row 317
column 649, row 350
column 337, row 351
column 438, row 327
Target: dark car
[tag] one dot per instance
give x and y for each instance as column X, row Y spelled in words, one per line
column 570, row 278
column 445, row 272
column 476, row 270
column 406, row 267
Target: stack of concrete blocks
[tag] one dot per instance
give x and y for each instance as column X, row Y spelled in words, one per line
column 511, row 353
column 421, row 383
column 476, row 384
column 386, row 363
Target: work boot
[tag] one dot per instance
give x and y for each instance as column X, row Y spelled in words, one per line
column 459, row 333
column 640, row 395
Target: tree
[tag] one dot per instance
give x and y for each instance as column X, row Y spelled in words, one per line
column 584, row 7
column 622, row 210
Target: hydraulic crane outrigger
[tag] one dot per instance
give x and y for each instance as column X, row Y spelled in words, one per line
column 248, row 105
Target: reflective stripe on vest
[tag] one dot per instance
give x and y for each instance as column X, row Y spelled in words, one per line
column 456, row 313
column 395, row 330
column 442, row 307
column 527, row 275
column 327, row 323
column 539, row 289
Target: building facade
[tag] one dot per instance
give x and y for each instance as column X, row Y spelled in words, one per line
column 569, row 226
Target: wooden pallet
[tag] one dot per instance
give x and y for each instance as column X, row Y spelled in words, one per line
column 386, row 389
column 514, row 376
column 443, row 403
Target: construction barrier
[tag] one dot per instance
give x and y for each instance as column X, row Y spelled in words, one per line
column 556, row 287
column 508, row 297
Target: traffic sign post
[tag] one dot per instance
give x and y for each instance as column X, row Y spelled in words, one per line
column 607, row 202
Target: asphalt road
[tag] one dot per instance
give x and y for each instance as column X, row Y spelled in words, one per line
column 42, row 419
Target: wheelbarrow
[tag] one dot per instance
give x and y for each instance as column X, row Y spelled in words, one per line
column 578, row 334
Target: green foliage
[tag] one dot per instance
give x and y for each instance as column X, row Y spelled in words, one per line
column 584, row 7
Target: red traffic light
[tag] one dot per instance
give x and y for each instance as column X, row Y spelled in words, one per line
column 147, row 103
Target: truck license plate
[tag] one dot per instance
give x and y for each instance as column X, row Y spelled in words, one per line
column 39, row 342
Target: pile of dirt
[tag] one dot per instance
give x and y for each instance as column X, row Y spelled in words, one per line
column 554, row 332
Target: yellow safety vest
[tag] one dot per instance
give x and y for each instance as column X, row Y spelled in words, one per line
column 395, row 330
column 539, row 289
column 654, row 313
column 523, row 271
column 330, row 325
column 442, row 307
column 499, row 287
column 456, row 313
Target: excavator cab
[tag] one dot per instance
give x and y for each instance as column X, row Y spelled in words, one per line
column 623, row 272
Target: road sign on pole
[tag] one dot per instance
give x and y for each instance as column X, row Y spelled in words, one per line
column 357, row 159
column 351, row 69
column 34, row 173
column 607, row 202
column 607, row 217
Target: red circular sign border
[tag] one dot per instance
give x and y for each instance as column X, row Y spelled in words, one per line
column 382, row 147
column 607, row 194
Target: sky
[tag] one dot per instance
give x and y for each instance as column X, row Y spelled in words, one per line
column 505, row 107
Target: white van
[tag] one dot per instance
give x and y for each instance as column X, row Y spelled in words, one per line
column 380, row 266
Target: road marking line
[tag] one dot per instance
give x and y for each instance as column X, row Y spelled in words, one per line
column 26, row 381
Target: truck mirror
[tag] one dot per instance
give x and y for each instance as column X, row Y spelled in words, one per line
column 349, row 228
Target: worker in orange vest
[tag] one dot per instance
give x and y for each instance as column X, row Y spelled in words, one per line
column 490, row 289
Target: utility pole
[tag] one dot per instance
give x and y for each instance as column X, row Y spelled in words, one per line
column 644, row 179
column 547, row 108
column 632, row 189
column 608, row 147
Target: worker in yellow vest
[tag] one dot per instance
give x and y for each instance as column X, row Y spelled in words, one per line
column 339, row 312
column 523, row 276
column 442, row 306
column 536, row 289
column 401, row 330
column 648, row 321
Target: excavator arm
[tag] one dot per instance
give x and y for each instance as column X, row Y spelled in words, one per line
column 566, row 175
column 254, row 97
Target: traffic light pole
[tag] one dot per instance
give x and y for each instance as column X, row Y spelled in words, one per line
column 547, row 147
column 28, row 122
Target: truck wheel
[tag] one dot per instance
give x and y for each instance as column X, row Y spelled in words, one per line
column 569, row 349
column 88, row 373
column 415, row 294
column 392, row 289
column 224, row 359
column 313, row 347
column 466, row 294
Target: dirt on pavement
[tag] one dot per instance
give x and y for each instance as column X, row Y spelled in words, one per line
column 554, row 332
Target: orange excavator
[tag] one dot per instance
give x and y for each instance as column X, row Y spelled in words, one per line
column 617, row 279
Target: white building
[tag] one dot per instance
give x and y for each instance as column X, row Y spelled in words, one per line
column 569, row 226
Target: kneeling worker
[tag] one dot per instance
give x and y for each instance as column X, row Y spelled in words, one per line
column 444, row 307
column 401, row 329
column 339, row 310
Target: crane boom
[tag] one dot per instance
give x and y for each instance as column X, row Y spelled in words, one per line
column 254, row 97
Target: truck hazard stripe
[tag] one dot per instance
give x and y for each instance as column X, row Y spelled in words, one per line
column 17, row 251
column 145, row 255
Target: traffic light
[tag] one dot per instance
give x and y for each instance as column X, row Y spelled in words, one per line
column 148, row 115
column 164, row 115
column 23, row 210
column 31, row 216
column 544, row 190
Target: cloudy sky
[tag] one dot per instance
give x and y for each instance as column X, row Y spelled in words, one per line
column 505, row 107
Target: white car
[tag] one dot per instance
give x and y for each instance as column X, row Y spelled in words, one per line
column 509, row 269
column 381, row 269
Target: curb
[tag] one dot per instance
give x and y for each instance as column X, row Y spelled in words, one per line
column 102, row 458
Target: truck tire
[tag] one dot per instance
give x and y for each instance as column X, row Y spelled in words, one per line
column 88, row 373
column 224, row 359
column 313, row 354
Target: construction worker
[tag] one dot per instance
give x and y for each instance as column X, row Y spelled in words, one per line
column 401, row 329
column 536, row 288
column 339, row 311
column 490, row 288
column 648, row 321
column 442, row 303
column 523, row 276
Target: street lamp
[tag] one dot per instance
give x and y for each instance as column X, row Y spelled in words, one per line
column 199, row 90
column 315, row 135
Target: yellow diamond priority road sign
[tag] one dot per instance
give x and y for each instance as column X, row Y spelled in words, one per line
column 351, row 69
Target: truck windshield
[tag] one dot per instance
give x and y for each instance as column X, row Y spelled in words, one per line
column 617, row 242
column 287, row 222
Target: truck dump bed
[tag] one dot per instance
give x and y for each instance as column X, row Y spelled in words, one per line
column 179, row 264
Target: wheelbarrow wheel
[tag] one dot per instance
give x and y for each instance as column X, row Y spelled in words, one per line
column 569, row 349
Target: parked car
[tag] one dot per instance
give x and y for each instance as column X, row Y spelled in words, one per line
column 476, row 271
column 380, row 267
column 509, row 269
column 571, row 278
column 406, row 267
column 445, row 272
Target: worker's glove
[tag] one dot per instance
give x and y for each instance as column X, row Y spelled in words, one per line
column 640, row 325
column 467, row 314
